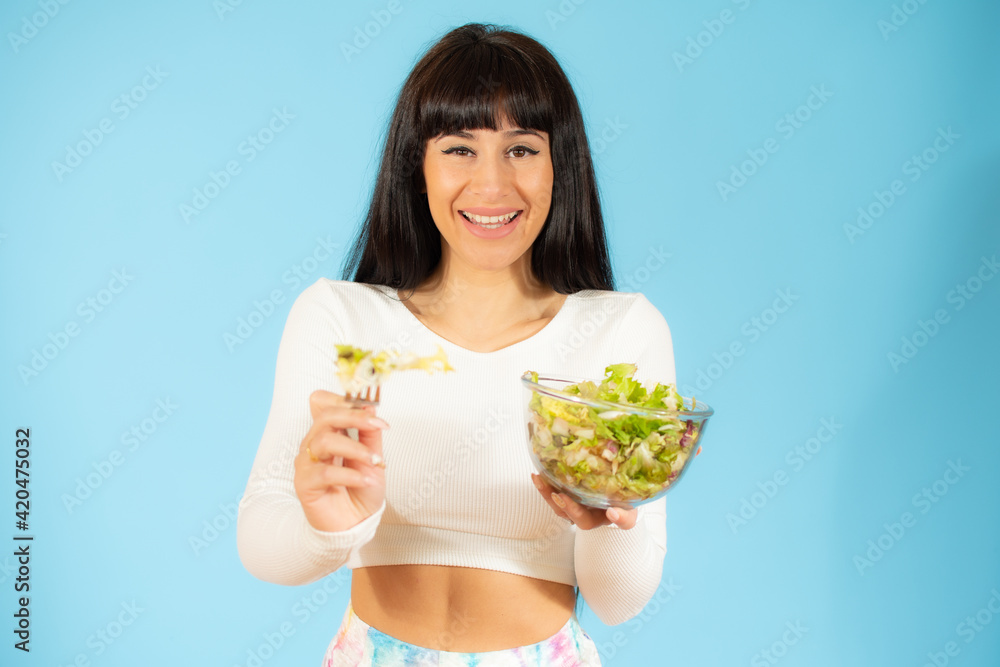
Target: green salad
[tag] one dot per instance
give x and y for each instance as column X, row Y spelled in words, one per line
column 612, row 453
column 358, row 369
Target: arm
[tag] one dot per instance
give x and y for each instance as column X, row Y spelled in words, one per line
column 275, row 541
column 618, row 570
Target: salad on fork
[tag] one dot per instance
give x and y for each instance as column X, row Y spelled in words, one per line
column 362, row 370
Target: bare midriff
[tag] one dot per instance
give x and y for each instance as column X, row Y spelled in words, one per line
column 460, row 609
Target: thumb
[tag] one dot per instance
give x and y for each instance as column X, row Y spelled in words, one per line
column 624, row 519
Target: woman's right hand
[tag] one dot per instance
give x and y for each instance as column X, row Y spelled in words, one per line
column 332, row 489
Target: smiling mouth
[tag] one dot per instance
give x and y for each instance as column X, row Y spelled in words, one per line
column 490, row 221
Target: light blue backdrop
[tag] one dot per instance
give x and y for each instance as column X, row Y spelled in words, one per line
column 845, row 509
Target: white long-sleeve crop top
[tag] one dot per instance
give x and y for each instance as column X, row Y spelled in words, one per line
column 458, row 472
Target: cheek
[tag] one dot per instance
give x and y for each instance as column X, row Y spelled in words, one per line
column 443, row 184
column 541, row 189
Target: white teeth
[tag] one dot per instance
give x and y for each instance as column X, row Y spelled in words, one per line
column 489, row 221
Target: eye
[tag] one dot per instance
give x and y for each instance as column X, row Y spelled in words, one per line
column 457, row 150
column 523, row 150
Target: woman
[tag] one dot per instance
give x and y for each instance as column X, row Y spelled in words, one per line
column 485, row 237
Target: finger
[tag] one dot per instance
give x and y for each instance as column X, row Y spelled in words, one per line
column 329, row 415
column 324, row 403
column 334, row 417
column 623, row 518
column 540, row 484
column 562, row 504
column 574, row 511
column 369, row 427
column 548, row 494
column 321, row 400
column 546, row 490
column 323, row 477
column 328, row 445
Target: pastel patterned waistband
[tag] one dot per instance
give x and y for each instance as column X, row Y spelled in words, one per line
column 357, row 644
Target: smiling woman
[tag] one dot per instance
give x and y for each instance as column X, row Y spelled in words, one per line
column 471, row 88
column 484, row 237
column 508, row 167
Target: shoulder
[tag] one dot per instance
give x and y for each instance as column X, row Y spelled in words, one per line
column 329, row 288
column 603, row 299
column 634, row 306
column 327, row 293
column 613, row 327
column 329, row 302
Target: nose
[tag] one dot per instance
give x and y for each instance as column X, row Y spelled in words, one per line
column 491, row 178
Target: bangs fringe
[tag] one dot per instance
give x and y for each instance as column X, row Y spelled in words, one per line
column 481, row 87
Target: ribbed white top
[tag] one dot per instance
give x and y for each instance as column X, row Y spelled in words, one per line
column 458, row 485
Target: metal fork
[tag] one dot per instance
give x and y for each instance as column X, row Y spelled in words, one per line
column 362, row 399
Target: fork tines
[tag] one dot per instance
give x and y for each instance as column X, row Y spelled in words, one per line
column 366, row 398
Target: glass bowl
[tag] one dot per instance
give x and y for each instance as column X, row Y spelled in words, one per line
column 607, row 472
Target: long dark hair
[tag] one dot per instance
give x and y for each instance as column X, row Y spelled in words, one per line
column 473, row 78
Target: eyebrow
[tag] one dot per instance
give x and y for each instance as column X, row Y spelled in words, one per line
column 464, row 134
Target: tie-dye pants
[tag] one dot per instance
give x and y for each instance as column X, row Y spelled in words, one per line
column 357, row 644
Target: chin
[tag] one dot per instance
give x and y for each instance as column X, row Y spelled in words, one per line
column 486, row 263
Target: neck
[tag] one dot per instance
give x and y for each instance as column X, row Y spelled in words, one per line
column 485, row 299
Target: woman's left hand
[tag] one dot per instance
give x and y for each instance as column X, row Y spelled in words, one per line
column 584, row 517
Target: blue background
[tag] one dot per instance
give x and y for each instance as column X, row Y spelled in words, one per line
column 760, row 539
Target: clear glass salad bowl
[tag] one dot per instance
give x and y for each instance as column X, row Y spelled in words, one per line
column 608, row 454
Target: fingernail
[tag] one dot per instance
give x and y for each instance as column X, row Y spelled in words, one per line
column 375, row 422
column 613, row 514
column 376, row 459
column 557, row 499
column 534, row 480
